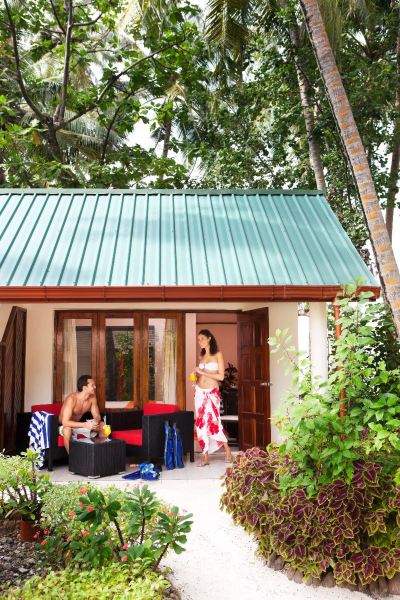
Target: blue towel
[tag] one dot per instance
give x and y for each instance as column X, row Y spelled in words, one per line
column 39, row 434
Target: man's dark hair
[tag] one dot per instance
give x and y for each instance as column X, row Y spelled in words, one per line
column 83, row 379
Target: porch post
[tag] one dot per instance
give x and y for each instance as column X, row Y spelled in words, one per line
column 338, row 333
column 319, row 339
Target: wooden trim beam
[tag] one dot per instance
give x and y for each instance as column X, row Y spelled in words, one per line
column 232, row 293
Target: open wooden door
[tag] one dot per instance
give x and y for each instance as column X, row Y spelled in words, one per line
column 12, row 382
column 253, row 384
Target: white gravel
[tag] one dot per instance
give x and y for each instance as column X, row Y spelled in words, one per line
column 220, row 561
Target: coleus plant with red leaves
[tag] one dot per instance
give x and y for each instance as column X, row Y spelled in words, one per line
column 349, row 528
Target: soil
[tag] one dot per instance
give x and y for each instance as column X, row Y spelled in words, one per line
column 18, row 560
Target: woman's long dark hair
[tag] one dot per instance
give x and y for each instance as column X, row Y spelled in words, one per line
column 213, row 342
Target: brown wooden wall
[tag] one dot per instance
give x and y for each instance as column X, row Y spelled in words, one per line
column 12, row 377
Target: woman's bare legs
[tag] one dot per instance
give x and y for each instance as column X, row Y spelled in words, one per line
column 228, row 452
column 205, row 460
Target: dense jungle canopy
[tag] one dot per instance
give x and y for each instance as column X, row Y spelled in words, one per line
column 178, row 93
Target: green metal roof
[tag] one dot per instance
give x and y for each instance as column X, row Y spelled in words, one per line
column 92, row 237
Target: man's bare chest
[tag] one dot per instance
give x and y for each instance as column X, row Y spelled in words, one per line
column 80, row 408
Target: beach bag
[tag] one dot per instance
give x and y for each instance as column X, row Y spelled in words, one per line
column 178, row 447
column 168, row 447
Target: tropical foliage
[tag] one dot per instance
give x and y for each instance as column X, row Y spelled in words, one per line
column 365, row 366
column 327, row 499
column 348, row 527
column 82, row 86
column 128, row 527
column 79, row 80
column 22, row 487
column 116, row 581
column 85, row 530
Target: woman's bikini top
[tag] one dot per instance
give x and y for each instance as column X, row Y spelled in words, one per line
column 210, row 366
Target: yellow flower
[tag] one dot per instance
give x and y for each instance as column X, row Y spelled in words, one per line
column 193, row 377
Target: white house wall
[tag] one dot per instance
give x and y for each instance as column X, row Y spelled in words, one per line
column 40, row 336
column 281, row 315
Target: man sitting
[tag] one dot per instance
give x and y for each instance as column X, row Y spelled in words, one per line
column 75, row 406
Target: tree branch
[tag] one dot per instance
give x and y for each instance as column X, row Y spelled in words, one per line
column 111, row 123
column 110, row 126
column 60, row 110
column 115, row 78
column 41, row 116
column 88, row 23
column 57, row 17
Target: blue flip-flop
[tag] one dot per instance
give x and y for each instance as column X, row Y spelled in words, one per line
column 133, row 475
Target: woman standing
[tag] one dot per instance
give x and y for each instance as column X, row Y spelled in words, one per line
column 210, row 371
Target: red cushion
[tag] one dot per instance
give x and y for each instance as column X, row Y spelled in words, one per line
column 60, row 440
column 158, row 408
column 133, row 437
column 54, row 409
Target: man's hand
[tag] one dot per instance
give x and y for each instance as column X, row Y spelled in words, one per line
column 93, row 425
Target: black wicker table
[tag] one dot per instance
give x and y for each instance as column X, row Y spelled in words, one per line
column 97, row 459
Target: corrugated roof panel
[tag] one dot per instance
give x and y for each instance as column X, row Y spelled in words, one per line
column 66, row 217
column 212, row 243
column 277, row 247
column 286, row 233
column 346, row 259
column 236, row 215
column 152, row 270
column 165, row 237
column 122, row 247
column 226, row 229
column 181, row 257
column 75, row 242
column 137, row 254
column 315, row 254
column 197, row 246
column 107, row 239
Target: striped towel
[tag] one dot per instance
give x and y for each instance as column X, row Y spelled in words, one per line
column 39, row 434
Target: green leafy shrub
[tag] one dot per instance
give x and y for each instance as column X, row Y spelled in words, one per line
column 326, row 498
column 22, row 487
column 323, row 446
column 113, row 581
column 350, row 528
column 60, row 502
column 114, row 526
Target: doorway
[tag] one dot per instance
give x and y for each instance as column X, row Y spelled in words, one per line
column 223, row 326
column 243, row 340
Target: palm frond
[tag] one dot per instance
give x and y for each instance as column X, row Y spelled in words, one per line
column 359, row 8
column 333, row 20
column 131, row 13
column 176, row 91
column 91, row 130
column 224, row 24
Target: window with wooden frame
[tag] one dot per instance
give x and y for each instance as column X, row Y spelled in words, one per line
column 134, row 356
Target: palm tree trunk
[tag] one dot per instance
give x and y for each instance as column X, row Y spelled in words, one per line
column 167, row 139
column 386, row 262
column 314, row 148
column 2, row 170
column 395, row 162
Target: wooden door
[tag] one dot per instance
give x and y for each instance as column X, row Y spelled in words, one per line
column 12, row 383
column 253, row 384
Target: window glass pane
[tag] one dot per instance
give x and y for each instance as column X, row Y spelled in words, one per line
column 162, row 360
column 77, row 352
column 119, row 359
